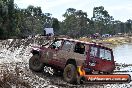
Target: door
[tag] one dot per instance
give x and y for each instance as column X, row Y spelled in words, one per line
column 80, row 53
column 106, row 60
column 50, row 54
column 65, row 52
column 93, row 57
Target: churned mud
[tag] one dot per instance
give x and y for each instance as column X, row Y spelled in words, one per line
column 15, row 72
column 18, row 75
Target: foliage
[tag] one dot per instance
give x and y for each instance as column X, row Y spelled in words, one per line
column 75, row 23
column 56, row 26
column 17, row 22
column 78, row 24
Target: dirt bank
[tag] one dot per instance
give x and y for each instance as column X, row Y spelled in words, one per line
column 109, row 41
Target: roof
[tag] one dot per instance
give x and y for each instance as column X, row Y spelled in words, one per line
column 75, row 40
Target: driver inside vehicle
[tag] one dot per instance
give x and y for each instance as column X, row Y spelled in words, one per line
column 79, row 48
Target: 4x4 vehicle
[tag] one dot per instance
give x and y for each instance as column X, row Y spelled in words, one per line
column 69, row 54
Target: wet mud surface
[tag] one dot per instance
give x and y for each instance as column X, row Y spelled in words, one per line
column 15, row 72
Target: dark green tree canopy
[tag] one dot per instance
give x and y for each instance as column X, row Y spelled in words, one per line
column 17, row 22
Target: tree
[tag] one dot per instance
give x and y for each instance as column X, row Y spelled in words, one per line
column 69, row 26
column 128, row 24
column 75, row 23
column 101, row 19
column 7, row 17
column 56, row 25
column 15, row 21
column 82, row 22
column 11, row 17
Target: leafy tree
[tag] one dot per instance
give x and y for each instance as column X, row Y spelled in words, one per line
column 101, row 19
column 128, row 25
column 75, row 23
column 7, row 17
column 56, row 25
column 15, row 21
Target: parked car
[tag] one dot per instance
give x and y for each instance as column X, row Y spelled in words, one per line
column 106, row 35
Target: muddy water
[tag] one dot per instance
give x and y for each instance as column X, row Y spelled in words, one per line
column 123, row 53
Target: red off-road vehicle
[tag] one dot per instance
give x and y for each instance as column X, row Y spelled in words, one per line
column 68, row 55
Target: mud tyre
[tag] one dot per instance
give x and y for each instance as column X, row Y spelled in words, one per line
column 70, row 74
column 35, row 64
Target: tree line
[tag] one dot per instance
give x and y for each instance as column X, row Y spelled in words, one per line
column 18, row 23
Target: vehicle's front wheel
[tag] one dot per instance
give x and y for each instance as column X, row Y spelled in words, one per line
column 70, row 73
column 35, row 64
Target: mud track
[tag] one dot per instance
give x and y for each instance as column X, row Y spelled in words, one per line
column 15, row 72
column 19, row 75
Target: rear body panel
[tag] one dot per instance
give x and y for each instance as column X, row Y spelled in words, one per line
column 99, row 64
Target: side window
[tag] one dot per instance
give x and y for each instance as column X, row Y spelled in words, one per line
column 67, row 45
column 56, row 44
column 79, row 48
column 93, row 51
column 105, row 54
column 108, row 55
column 102, row 53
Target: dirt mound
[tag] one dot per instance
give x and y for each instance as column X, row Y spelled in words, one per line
column 18, row 50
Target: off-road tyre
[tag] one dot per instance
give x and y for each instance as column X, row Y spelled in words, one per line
column 70, row 74
column 35, row 64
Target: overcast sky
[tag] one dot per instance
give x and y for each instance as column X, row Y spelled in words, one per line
column 119, row 9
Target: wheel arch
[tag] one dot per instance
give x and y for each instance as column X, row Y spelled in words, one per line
column 35, row 52
column 71, row 61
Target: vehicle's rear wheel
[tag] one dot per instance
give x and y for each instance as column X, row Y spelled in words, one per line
column 35, row 64
column 70, row 73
